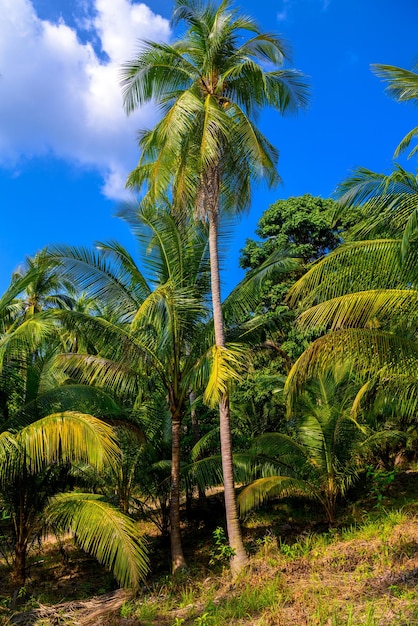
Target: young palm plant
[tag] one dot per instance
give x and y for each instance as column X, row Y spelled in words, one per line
column 35, row 461
column 206, row 149
column 319, row 461
column 44, row 430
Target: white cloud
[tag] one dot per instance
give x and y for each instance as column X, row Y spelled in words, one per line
column 58, row 97
column 283, row 14
column 288, row 7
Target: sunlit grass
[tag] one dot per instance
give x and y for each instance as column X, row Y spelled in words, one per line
column 362, row 573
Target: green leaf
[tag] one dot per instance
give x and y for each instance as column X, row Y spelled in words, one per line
column 104, row 532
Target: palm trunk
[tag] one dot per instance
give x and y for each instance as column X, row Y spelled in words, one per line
column 239, row 560
column 196, row 437
column 18, row 575
column 177, row 557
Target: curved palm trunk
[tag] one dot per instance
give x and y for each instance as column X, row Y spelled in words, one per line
column 240, row 558
column 177, row 557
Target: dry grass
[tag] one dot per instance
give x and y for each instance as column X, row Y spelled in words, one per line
column 365, row 575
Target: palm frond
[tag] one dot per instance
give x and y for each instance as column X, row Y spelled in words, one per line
column 355, row 267
column 67, row 437
column 244, row 298
column 405, row 143
column 387, row 201
column 113, row 376
column 204, row 442
column 226, row 365
column 361, row 309
column 402, row 84
column 273, row 486
column 367, row 350
column 103, row 531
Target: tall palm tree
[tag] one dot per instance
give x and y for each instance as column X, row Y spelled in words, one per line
column 206, row 148
column 158, row 341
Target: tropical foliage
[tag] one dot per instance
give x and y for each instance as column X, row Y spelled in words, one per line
column 45, row 430
column 112, row 367
column 206, row 149
column 403, row 86
column 320, row 460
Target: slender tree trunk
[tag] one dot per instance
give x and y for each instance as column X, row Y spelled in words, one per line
column 239, row 560
column 194, row 420
column 21, row 529
column 18, row 575
column 196, row 437
column 177, row 557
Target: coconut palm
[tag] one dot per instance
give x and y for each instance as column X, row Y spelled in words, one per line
column 154, row 340
column 365, row 281
column 159, row 340
column 46, row 288
column 206, row 148
column 44, row 429
column 363, row 295
column 318, row 462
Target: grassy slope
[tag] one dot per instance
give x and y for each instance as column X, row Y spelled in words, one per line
column 362, row 573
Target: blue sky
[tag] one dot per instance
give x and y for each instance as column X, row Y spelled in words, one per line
column 66, row 145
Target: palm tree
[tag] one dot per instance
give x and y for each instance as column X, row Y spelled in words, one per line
column 46, row 288
column 44, row 429
column 363, row 295
column 158, row 341
column 320, row 461
column 207, row 148
column 156, row 336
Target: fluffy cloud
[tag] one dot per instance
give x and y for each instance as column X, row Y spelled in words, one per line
column 60, row 97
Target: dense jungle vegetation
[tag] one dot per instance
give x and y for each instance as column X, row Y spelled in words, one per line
column 251, row 460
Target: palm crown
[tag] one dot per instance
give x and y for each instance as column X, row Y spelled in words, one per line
column 210, row 86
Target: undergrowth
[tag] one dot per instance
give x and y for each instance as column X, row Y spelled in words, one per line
column 362, row 572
